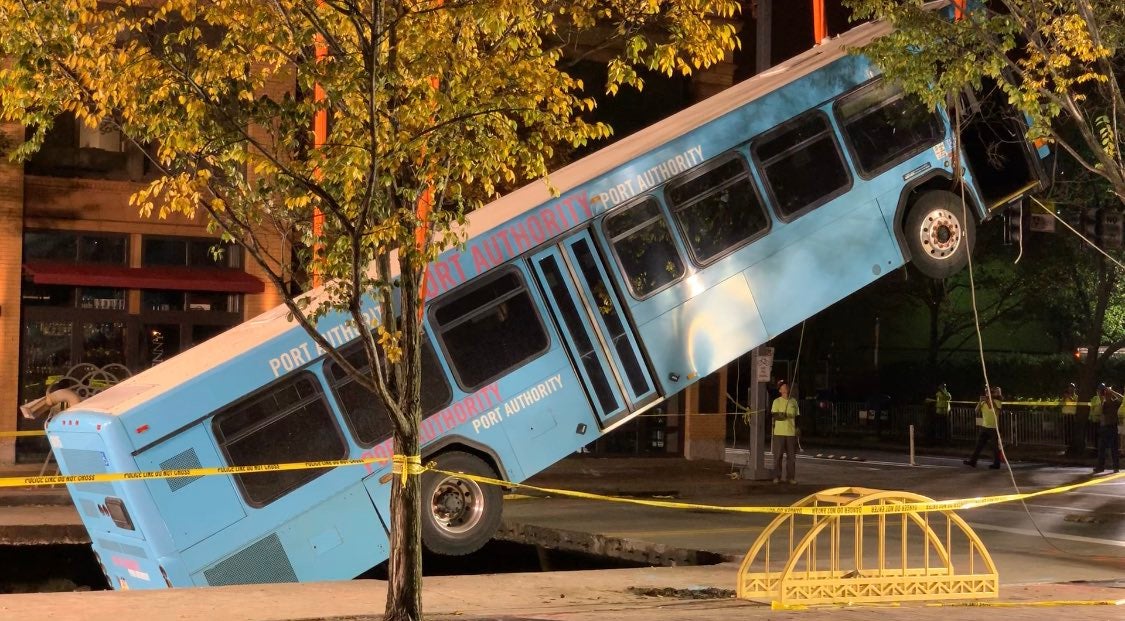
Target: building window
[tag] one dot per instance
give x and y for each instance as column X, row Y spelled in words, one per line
column 71, row 247
column 162, row 251
column 72, row 149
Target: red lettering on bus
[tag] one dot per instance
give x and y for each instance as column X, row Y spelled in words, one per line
column 448, row 418
column 456, row 261
column 550, row 223
column 519, row 236
column 431, row 283
column 535, row 227
column 444, row 277
column 503, row 236
column 480, row 264
column 491, row 246
column 584, row 202
column 459, row 411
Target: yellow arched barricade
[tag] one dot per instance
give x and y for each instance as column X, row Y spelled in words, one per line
column 867, row 557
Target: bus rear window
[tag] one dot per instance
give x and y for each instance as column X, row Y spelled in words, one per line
column 883, row 126
column 290, row 422
column 802, row 165
column 365, row 413
column 489, row 328
column 718, row 209
column 643, row 244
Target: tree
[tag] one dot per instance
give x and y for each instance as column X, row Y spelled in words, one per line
column 432, row 107
column 1057, row 60
column 1084, row 302
column 1003, row 292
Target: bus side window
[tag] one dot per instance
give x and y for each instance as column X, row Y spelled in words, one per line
column 289, row 422
column 801, row 164
column 364, row 412
column 642, row 241
column 489, row 327
column 718, row 209
column 882, row 126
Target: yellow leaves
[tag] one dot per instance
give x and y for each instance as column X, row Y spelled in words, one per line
column 389, row 342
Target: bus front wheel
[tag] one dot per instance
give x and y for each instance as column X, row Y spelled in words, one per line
column 459, row 515
column 938, row 234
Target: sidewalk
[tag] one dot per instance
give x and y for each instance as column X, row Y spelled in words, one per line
column 620, row 594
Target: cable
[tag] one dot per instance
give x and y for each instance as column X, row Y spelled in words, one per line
column 1080, row 235
column 980, row 336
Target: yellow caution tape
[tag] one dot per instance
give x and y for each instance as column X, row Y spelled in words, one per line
column 21, row 434
column 1054, row 404
column 184, row 472
column 975, row 604
column 406, row 465
column 887, row 509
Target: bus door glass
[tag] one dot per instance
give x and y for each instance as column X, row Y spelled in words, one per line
column 594, row 326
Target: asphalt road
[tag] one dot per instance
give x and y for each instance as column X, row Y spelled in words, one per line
column 1083, row 532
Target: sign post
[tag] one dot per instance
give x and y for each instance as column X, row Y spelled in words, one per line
column 762, row 363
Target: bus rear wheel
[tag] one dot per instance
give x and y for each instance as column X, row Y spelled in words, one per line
column 938, row 234
column 459, row 515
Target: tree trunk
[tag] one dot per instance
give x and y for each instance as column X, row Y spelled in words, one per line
column 1088, row 372
column 935, row 343
column 404, row 580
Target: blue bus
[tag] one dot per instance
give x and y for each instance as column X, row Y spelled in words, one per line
column 663, row 257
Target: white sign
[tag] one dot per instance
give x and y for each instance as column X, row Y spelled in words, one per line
column 1042, row 223
column 765, row 364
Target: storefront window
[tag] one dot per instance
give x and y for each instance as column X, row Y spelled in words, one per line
column 60, row 296
column 159, row 342
column 46, row 353
column 101, row 298
column 200, row 333
column 103, row 343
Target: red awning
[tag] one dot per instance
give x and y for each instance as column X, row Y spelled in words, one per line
column 216, row 279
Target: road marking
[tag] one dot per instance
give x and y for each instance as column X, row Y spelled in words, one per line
column 1033, row 533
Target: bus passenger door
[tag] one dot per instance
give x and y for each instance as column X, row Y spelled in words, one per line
column 594, row 327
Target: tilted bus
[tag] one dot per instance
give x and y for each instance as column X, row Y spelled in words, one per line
column 664, row 257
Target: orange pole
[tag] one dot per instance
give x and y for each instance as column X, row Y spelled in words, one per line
column 820, row 24
column 425, row 205
column 958, row 9
column 320, row 137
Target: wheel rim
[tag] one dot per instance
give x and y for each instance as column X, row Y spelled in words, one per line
column 457, row 505
column 941, row 234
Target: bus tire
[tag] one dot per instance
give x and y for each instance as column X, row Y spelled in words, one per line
column 459, row 515
column 938, row 235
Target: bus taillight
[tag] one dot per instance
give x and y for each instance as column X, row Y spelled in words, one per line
column 118, row 513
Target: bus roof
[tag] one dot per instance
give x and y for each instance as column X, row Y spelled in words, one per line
column 259, row 330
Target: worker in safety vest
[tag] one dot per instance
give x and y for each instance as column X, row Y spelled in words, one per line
column 942, row 400
column 1107, row 421
column 987, row 428
column 1069, row 412
column 784, row 411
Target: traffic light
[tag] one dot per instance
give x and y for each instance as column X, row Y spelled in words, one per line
column 1090, row 224
column 1103, row 227
column 1014, row 224
column 1109, row 229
